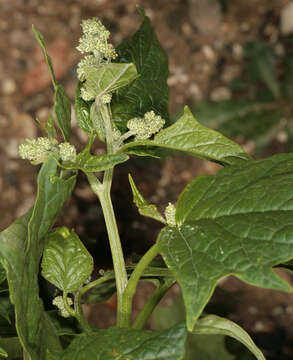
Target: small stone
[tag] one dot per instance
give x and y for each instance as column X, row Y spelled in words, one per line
column 279, row 49
column 220, row 94
column 237, row 51
column 206, row 15
column 208, row 53
column 8, row 86
column 286, row 21
column 195, row 91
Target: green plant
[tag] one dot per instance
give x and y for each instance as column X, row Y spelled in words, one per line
column 237, row 222
column 261, row 108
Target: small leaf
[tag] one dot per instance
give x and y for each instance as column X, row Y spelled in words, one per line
column 50, row 128
column 144, row 208
column 62, row 108
column 190, row 136
column 238, row 222
column 3, row 352
column 260, row 65
column 101, row 292
column 108, row 78
column 66, row 262
column 40, row 40
column 12, row 346
column 125, row 344
column 215, row 325
column 97, row 122
column 82, row 112
column 150, row 91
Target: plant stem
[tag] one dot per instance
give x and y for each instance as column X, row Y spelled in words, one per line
column 151, row 304
column 133, row 281
column 79, row 313
column 103, row 193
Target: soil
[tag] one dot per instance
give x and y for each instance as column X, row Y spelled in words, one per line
column 205, row 53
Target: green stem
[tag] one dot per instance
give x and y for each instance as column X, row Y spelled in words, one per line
column 151, row 304
column 79, row 313
column 69, row 309
column 133, row 281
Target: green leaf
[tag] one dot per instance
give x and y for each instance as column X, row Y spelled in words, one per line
column 50, row 128
column 62, row 108
column 108, row 78
column 241, row 118
column 150, row 90
column 12, row 347
column 260, row 65
column 190, row 136
column 101, row 292
column 125, row 344
column 40, row 40
column 97, row 122
column 238, row 222
column 82, row 112
column 144, row 208
column 66, row 262
column 6, row 308
column 215, row 325
column 21, row 248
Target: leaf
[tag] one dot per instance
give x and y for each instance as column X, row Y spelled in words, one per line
column 82, row 111
column 101, row 292
column 12, row 347
column 3, row 352
column 260, row 65
column 190, row 136
column 150, row 90
column 40, row 40
column 108, row 78
column 66, row 262
column 50, row 128
column 98, row 122
column 2, row 274
column 144, row 208
column 21, row 247
column 125, row 344
column 240, row 118
column 62, row 108
column 238, row 222
column 214, row 325
column 6, row 308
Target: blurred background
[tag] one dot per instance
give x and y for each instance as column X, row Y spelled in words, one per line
column 230, row 61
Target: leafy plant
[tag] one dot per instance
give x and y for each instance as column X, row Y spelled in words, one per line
column 238, row 222
column 261, row 108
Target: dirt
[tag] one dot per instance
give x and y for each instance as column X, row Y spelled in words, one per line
column 205, row 53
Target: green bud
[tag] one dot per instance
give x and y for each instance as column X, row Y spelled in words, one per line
column 58, row 301
column 106, row 98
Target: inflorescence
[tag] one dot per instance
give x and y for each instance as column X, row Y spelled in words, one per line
column 144, row 128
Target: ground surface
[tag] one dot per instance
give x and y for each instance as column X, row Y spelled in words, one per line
column 205, row 53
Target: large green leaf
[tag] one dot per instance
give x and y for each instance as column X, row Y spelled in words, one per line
column 237, row 222
column 66, row 262
column 215, row 325
column 116, row 343
column 21, row 247
column 62, row 108
column 190, row 136
column 108, row 78
column 144, row 208
column 82, row 112
column 150, row 90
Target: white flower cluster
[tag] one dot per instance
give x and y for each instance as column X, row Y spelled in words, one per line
column 37, row 150
column 145, row 127
column 67, row 152
column 106, row 98
column 95, row 40
column 170, row 212
column 88, row 62
column 58, row 301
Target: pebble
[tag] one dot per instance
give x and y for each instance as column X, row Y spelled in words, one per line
column 208, row 53
column 196, row 93
column 8, row 86
column 237, row 51
column 206, row 15
column 286, row 20
column 220, row 94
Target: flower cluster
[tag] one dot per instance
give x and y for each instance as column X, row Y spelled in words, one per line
column 58, row 301
column 144, row 128
column 37, row 150
column 170, row 212
column 95, row 40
